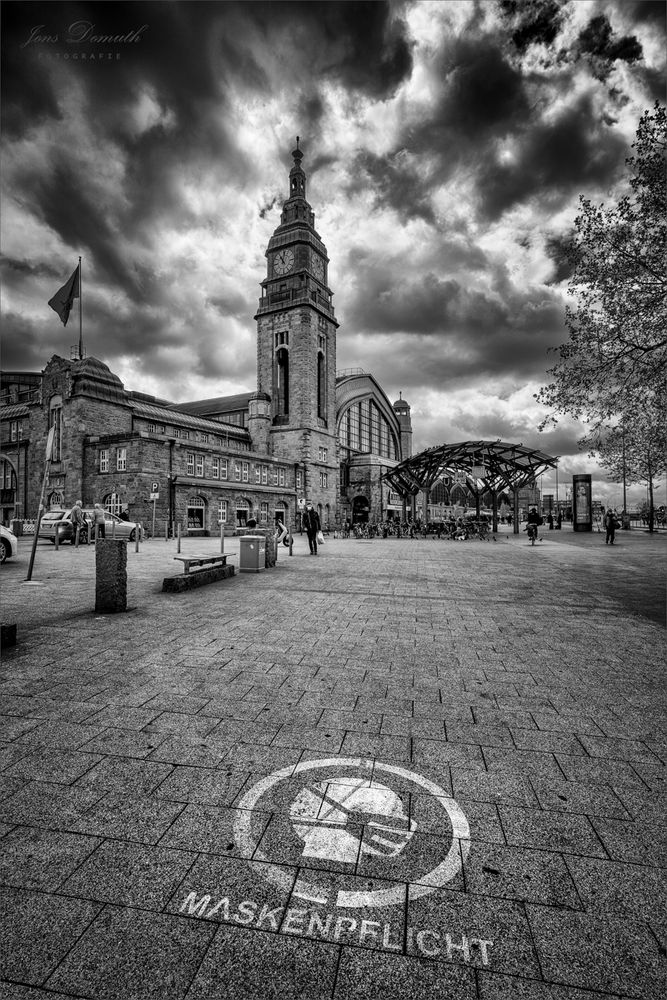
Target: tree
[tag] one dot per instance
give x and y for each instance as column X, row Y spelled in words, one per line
column 635, row 450
column 617, row 349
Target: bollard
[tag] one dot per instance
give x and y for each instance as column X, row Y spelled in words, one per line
column 113, row 529
column 110, row 575
column 291, row 543
column 76, row 536
column 166, row 531
column 136, row 538
column 178, row 540
column 56, row 537
column 222, row 538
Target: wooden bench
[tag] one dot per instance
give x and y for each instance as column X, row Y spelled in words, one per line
column 199, row 561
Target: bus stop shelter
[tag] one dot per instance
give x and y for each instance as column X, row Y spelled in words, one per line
column 487, row 466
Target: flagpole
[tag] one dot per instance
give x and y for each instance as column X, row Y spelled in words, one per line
column 80, row 317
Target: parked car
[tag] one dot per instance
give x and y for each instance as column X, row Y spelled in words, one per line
column 61, row 521
column 8, row 544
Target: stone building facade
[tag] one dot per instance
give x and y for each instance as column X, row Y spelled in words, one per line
column 306, row 432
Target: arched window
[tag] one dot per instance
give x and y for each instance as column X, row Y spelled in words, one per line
column 196, row 513
column 321, row 387
column 112, row 503
column 282, row 382
column 363, row 428
column 55, row 500
column 56, row 421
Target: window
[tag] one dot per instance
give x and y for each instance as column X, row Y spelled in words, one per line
column 258, row 473
column 222, row 511
column 324, row 480
column 265, row 475
column 282, row 382
column 237, row 471
column 241, row 515
column 152, row 428
column 274, row 477
column 246, row 470
column 264, row 513
column 215, row 468
column 121, row 459
column 299, row 479
column 321, row 386
column 224, row 466
column 56, row 421
column 200, row 466
column 16, row 430
column 190, row 458
column 203, row 437
column 104, row 459
column 281, row 477
column 112, row 503
column 322, row 454
column 196, row 511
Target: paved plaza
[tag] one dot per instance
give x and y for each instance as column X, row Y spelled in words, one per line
column 402, row 769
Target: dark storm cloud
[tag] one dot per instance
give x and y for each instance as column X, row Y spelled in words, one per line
column 533, row 21
column 598, row 39
column 554, row 159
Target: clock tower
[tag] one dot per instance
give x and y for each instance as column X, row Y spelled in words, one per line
column 296, row 348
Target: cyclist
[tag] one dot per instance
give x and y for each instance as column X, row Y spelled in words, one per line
column 534, row 521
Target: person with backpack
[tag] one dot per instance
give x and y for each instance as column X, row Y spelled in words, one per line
column 610, row 525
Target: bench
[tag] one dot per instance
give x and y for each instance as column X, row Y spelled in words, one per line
column 199, row 561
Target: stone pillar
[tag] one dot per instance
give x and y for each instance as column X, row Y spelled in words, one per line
column 110, row 575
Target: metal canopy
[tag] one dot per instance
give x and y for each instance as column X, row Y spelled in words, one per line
column 487, row 465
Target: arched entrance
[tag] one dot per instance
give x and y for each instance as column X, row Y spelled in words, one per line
column 360, row 509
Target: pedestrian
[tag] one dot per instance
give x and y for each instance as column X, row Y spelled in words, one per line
column 311, row 524
column 610, row 527
column 78, row 520
column 98, row 520
column 124, row 514
column 559, row 520
column 550, row 521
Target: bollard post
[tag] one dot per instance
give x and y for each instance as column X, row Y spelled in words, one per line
column 137, row 532
column 291, row 543
column 56, row 537
column 110, row 575
column 222, row 538
column 76, row 536
column 166, row 531
column 113, row 529
column 178, row 541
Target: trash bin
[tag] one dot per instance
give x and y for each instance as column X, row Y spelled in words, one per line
column 626, row 521
column 16, row 526
column 252, row 555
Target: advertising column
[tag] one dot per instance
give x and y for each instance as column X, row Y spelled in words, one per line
column 582, row 508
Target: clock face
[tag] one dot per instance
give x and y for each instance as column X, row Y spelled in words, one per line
column 317, row 267
column 283, row 261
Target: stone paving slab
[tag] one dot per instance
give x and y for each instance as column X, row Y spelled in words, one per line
column 410, row 769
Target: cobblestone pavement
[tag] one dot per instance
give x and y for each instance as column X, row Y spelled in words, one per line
column 400, row 769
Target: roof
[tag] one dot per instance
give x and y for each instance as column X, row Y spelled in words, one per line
column 153, row 411
column 487, row 465
column 219, row 404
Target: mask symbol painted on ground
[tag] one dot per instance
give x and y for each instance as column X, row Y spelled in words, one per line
column 338, row 821
column 345, row 822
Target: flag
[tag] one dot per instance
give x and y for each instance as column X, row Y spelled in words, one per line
column 63, row 300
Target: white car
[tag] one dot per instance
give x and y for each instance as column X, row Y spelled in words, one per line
column 8, row 544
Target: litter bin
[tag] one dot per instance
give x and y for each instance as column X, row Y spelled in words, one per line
column 252, row 554
column 16, row 526
column 625, row 518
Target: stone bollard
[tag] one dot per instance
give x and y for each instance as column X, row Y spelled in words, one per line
column 110, row 575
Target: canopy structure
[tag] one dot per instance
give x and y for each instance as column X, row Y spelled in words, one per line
column 481, row 465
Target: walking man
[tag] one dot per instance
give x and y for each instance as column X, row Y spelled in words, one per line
column 311, row 522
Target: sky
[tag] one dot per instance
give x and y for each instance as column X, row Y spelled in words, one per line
column 446, row 145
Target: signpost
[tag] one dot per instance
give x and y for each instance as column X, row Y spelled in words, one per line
column 38, row 521
column 155, row 495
